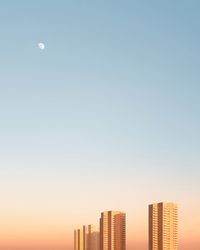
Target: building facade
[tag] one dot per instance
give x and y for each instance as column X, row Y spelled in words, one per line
column 163, row 226
column 113, row 230
column 86, row 238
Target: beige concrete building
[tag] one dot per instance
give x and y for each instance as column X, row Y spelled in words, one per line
column 86, row 238
column 163, row 226
column 113, row 230
column 93, row 238
column 79, row 239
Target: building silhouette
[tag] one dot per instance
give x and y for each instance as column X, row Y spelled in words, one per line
column 163, row 224
column 113, row 230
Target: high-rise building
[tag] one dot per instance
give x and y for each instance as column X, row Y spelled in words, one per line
column 163, row 226
column 79, row 239
column 113, row 230
column 86, row 238
column 93, row 242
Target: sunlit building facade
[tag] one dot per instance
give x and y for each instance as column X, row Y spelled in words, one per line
column 163, row 226
column 113, row 230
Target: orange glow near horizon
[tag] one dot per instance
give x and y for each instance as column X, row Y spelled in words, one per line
column 59, row 235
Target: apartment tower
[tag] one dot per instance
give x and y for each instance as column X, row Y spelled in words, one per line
column 113, row 230
column 86, row 238
column 163, row 226
column 93, row 241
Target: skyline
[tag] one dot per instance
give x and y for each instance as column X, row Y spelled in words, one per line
column 106, row 116
column 111, row 233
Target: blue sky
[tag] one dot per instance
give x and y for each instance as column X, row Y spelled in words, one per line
column 114, row 77
column 116, row 89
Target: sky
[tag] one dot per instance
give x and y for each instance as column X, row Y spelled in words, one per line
column 105, row 118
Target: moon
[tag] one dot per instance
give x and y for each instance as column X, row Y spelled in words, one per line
column 41, row 46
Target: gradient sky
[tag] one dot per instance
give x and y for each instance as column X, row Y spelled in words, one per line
column 106, row 117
